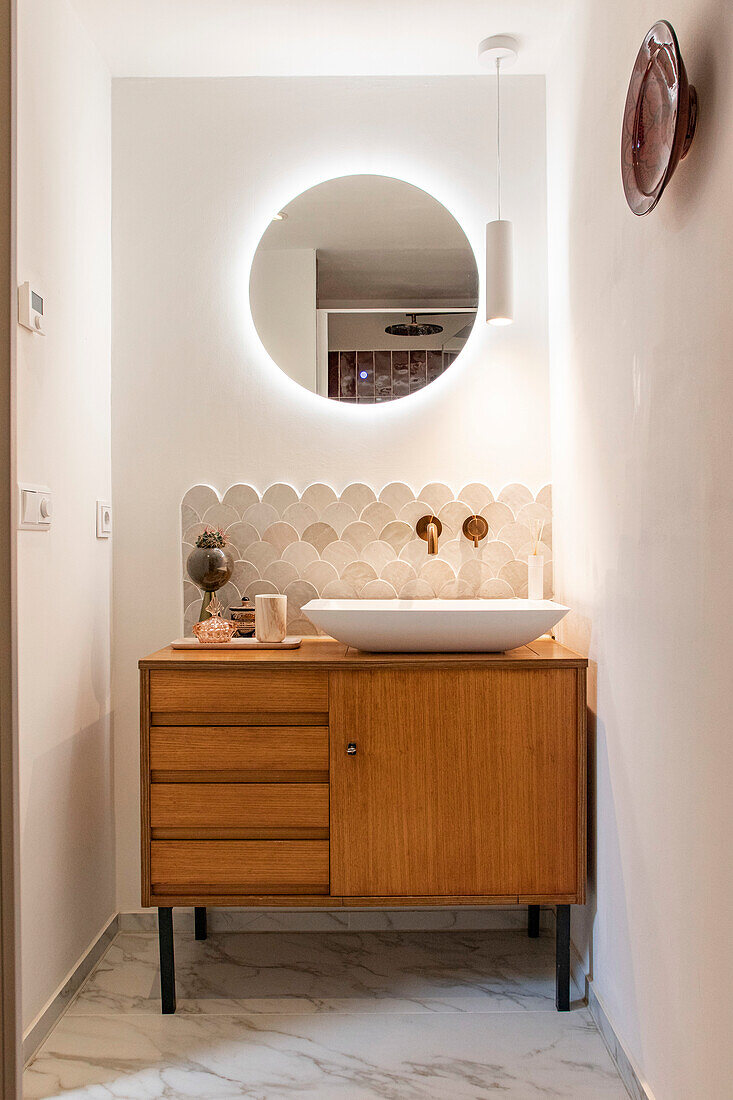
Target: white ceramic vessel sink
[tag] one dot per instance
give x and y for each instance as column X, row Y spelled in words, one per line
column 435, row 626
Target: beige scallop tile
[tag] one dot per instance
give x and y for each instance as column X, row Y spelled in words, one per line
column 436, row 573
column 188, row 517
column 497, row 515
column 398, row 573
column 279, row 496
column 357, row 496
column 319, row 496
column 229, row 596
column 548, row 581
column 455, row 590
column 281, row 573
column 378, row 515
column 319, row 574
column 192, row 533
column 514, row 535
column 260, row 588
column 515, row 574
column 414, row 510
column 300, row 554
column 243, row 574
column 240, row 536
column 339, row 554
column 299, row 593
column 452, row 515
column 186, row 548
column 547, row 534
column 396, row 495
column 416, row 590
column 200, row 497
column 359, row 534
column 319, row 534
column 220, row 515
column 496, row 589
column 543, row 550
column 340, row 590
column 397, row 535
column 241, row 497
column 261, row 516
column 358, row 573
column 545, row 497
column 338, row 515
column 474, row 573
column 302, row 628
column 534, row 513
column 415, row 552
column 436, row 495
column 280, row 534
column 516, row 496
column 378, row 590
column 190, row 593
column 191, row 616
column 454, row 552
column 378, row 554
column 261, row 554
column 496, row 554
column 300, row 516
column 476, row 496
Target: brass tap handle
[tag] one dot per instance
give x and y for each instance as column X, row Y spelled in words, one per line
column 475, row 528
column 429, row 528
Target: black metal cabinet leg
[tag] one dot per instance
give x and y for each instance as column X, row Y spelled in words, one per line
column 199, row 920
column 167, row 961
column 533, row 921
column 562, row 958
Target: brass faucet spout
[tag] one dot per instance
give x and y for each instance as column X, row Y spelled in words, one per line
column 429, row 529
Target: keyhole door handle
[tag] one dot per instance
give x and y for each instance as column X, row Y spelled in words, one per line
column 351, row 748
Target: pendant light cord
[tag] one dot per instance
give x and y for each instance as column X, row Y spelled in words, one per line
column 498, row 138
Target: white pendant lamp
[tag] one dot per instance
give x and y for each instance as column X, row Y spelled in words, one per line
column 496, row 51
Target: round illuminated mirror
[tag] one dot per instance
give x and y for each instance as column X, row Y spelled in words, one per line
column 364, row 289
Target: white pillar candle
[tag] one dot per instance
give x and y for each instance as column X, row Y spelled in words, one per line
column 271, row 618
column 535, row 577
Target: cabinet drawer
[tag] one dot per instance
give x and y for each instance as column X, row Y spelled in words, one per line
column 220, row 867
column 238, row 690
column 257, row 809
column 242, row 753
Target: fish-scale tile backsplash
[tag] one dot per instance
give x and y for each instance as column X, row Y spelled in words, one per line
column 362, row 543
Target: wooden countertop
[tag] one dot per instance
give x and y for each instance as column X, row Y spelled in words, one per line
column 327, row 653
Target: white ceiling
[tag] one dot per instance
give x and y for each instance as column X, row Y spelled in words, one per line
column 215, row 38
column 378, row 238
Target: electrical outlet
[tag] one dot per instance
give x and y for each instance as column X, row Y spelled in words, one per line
column 104, row 519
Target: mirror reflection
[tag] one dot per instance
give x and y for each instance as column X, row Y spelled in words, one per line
column 364, row 289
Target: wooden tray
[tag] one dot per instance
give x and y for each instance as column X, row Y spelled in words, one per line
column 236, row 643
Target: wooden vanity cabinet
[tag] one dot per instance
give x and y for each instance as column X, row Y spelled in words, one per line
column 325, row 776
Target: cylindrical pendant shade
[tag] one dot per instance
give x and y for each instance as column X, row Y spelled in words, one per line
column 499, row 273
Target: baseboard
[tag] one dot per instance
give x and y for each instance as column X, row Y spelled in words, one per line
column 37, row 1032
column 628, row 1072
column 463, row 919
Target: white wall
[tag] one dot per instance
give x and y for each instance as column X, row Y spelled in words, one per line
column 198, row 168
column 642, row 406
column 283, row 300
column 63, row 440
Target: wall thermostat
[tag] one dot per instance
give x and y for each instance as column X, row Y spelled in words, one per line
column 30, row 308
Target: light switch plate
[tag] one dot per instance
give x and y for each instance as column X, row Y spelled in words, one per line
column 35, row 506
column 104, row 519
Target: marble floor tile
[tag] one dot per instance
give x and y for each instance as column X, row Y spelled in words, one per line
column 338, row 972
column 333, row 1016
column 403, row 1057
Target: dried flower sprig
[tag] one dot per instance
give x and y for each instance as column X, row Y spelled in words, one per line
column 212, row 538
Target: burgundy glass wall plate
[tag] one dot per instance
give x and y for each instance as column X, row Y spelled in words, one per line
column 659, row 119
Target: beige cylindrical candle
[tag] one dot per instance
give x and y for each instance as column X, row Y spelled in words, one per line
column 271, row 618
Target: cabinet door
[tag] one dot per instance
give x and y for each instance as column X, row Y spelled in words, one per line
column 463, row 782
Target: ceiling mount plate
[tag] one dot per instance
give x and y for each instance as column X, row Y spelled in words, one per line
column 499, row 47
